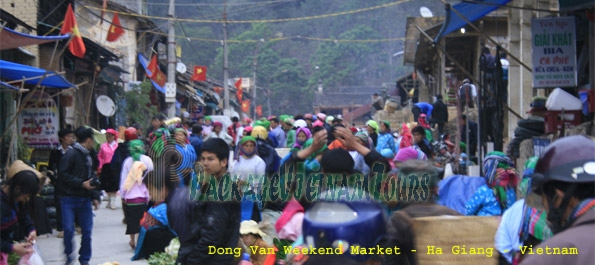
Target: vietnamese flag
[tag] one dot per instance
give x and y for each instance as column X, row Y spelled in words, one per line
column 200, row 73
column 115, row 30
column 153, row 67
column 238, row 85
column 246, row 105
column 76, row 45
column 160, row 78
column 259, row 110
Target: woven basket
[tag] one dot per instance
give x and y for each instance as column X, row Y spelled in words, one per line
column 469, row 233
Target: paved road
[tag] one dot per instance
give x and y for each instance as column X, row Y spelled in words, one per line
column 110, row 244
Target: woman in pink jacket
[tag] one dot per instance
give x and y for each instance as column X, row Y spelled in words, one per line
column 133, row 189
column 110, row 182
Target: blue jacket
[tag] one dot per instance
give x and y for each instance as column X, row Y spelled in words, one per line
column 484, row 202
column 386, row 141
column 196, row 142
column 426, row 108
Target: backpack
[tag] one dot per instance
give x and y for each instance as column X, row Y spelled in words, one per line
column 270, row 157
column 465, row 95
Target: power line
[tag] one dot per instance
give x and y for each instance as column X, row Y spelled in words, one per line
column 231, row 4
column 259, row 21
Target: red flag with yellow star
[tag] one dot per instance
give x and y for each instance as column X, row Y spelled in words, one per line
column 76, row 45
column 160, row 78
column 246, row 105
column 238, row 85
column 259, row 110
column 200, row 73
column 115, row 30
column 153, row 67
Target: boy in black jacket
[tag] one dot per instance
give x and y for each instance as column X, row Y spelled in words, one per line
column 78, row 193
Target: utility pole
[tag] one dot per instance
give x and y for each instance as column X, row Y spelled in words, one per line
column 254, row 83
column 225, row 66
column 254, row 78
column 170, row 87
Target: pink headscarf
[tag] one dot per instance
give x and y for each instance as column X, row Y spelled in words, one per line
column 407, row 140
column 422, row 121
column 409, row 153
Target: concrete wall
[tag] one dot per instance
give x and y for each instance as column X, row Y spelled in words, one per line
column 125, row 47
column 520, row 79
column 25, row 10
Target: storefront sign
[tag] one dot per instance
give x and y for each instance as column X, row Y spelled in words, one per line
column 554, row 52
column 39, row 121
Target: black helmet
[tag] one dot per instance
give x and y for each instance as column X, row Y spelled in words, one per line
column 570, row 160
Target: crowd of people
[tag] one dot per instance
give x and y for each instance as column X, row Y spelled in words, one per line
column 220, row 191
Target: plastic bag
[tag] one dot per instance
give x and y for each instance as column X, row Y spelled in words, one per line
column 32, row 259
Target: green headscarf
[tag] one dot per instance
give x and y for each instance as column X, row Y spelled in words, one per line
column 263, row 122
column 208, row 118
column 137, row 148
column 246, row 139
column 374, row 125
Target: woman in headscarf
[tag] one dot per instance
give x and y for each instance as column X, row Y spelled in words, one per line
column 207, row 126
column 373, row 130
column 185, row 168
column 132, row 188
column 21, row 185
column 521, row 225
column 360, row 162
column 302, row 135
column 408, row 153
column 219, row 133
column 498, row 194
column 248, row 168
column 386, row 141
column 406, row 137
column 110, row 182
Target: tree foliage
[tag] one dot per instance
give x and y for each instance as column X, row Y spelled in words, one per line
column 289, row 52
column 136, row 108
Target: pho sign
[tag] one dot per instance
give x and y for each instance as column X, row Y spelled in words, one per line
column 554, row 52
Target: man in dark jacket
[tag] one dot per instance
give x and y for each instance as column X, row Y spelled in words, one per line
column 196, row 138
column 79, row 193
column 472, row 134
column 214, row 219
column 439, row 114
column 66, row 137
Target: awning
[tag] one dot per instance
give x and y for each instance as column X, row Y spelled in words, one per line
column 5, row 85
column 10, row 39
column 32, row 75
column 192, row 93
column 145, row 62
column 472, row 11
column 573, row 5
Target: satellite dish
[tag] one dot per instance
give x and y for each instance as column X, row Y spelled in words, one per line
column 425, row 12
column 105, row 106
column 181, row 68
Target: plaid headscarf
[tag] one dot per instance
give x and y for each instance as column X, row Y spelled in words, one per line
column 500, row 175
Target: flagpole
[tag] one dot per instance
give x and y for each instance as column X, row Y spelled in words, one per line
column 171, row 62
column 225, row 66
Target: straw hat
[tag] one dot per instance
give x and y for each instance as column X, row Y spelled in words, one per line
column 18, row 166
column 250, row 227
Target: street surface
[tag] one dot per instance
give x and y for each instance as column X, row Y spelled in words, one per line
column 110, row 244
